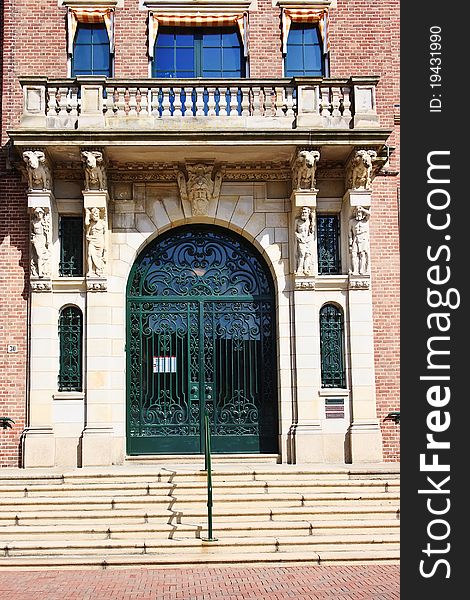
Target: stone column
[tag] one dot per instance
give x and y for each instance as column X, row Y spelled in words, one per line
column 97, row 436
column 38, row 438
column 364, row 432
column 306, row 431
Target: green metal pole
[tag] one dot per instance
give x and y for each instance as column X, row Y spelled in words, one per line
column 208, row 465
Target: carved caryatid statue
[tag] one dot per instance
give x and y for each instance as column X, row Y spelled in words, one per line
column 200, row 189
column 40, row 242
column 359, row 242
column 95, row 174
column 361, row 172
column 304, row 169
column 96, row 228
column 39, row 174
column 304, row 238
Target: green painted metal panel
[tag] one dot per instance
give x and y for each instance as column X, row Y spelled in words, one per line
column 201, row 337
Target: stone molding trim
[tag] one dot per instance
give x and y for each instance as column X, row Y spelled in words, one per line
column 96, row 284
column 91, row 3
column 304, row 284
column 359, row 283
column 40, row 284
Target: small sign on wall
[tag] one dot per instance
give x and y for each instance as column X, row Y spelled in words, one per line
column 164, row 364
column 12, row 349
column 334, row 408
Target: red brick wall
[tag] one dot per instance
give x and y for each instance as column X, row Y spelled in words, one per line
column 265, row 41
column 14, row 250
column 131, row 30
column 364, row 41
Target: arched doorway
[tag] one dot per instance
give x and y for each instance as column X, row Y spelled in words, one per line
column 201, row 337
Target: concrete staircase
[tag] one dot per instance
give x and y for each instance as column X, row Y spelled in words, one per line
column 156, row 516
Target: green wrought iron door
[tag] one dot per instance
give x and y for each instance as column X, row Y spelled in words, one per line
column 200, row 338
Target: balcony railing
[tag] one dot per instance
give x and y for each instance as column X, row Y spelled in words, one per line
column 98, row 102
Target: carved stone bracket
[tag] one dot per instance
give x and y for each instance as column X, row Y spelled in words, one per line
column 95, row 170
column 38, row 170
column 304, row 168
column 359, row 169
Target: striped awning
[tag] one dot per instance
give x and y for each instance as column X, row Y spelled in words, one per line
column 90, row 15
column 199, row 20
column 318, row 17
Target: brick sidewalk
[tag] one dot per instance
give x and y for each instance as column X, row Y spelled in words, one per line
column 236, row 583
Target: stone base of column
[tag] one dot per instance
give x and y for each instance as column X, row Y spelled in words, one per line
column 97, row 446
column 306, row 442
column 38, row 445
column 366, row 441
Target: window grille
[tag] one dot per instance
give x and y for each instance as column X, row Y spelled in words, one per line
column 332, row 347
column 71, row 247
column 329, row 261
column 70, row 342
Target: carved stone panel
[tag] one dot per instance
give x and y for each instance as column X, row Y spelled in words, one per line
column 96, row 238
column 41, row 242
column 304, row 236
column 359, row 242
column 199, row 188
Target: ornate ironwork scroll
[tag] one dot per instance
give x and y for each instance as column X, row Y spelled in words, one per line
column 332, row 346
column 328, row 244
column 70, row 343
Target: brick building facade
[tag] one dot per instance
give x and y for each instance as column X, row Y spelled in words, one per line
column 156, row 137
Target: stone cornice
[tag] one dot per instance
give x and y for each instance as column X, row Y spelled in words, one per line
column 240, row 137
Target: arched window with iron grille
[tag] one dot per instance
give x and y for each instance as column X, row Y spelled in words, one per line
column 332, row 347
column 70, row 343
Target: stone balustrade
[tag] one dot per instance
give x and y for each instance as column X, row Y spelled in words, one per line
column 98, row 102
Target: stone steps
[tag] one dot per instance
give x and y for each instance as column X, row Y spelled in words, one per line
column 180, row 501
column 105, row 561
column 151, row 545
column 167, row 531
column 157, row 516
column 32, row 490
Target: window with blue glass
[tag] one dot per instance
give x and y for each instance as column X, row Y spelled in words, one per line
column 204, row 52
column 304, row 57
column 91, row 50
